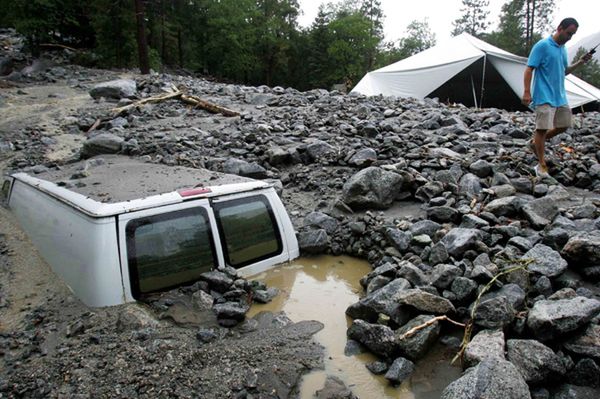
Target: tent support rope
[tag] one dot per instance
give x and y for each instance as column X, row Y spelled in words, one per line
column 483, row 79
column 474, row 93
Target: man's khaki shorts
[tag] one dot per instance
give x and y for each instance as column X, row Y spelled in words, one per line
column 549, row 117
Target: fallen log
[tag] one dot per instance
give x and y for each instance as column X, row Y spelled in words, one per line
column 210, row 107
column 149, row 100
column 192, row 100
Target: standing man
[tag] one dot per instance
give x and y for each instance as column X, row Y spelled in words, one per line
column 552, row 112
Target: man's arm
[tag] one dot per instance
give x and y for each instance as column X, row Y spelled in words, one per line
column 584, row 58
column 526, row 100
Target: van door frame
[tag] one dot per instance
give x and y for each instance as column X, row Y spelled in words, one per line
column 125, row 218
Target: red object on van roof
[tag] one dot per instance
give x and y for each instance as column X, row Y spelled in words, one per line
column 189, row 192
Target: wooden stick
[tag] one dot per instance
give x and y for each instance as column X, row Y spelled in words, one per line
column 210, row 107
column 155, row 99
column 58, row 45
column 416, row 329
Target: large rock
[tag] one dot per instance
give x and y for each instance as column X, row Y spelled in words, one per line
column 242, row 168
column 459, row 240
column 320, row 220
column 586, row 344
column 486, row 344
column 490, row 379
column 537, row 363
column 549, row 320
column 319, row 150
column 582, row 250
column 384, row 300
column 103, row 143
column 568, row 391
column 380, row 339
column 540, row 212
column 400, row 370
column 494, row 313
column 313, row 241
column 372, row 188
column 546, row 261
column 507, row 206
column 417, row 345
column 334, row 388
column 116, row 89
column 425, row 302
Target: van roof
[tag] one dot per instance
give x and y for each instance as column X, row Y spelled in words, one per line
column 114, row 184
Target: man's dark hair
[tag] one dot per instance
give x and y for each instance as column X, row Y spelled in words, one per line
column 565, row 23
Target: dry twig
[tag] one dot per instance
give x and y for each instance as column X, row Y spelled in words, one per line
column 416, row 329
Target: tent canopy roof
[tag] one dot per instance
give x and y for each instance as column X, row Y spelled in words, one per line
column 422, row 74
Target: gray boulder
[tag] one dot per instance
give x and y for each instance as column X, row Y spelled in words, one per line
column 319, row 150
column 490, row 379
column 507, row 206
column 486, row 344
column 400, row 370
column 537, row 363
column 425, row 302
column 384, row 300
column 371, row 188
column 320, row 220
column 546, row 261
column 116, row 89
column 417, row 345
column 582, row 250
column 549, row 320
column 380, row 339
column 459, row 240
column 586, row 344
column 494, row 313
column 469, row 185
column 540, row 212
column 443, row 275
column 398, row 238
column 568, row 391
column 334, row 388
column 103, row 143
column 313, row 241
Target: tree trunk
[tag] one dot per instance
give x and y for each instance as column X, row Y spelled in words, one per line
column 141, row 38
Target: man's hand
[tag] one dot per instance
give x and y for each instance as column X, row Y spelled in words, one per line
column 585, row 58
column 526, row 100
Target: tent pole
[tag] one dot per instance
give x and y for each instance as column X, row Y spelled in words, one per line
column 474, row 93
column 483, row 79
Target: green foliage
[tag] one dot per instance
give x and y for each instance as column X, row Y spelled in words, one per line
column 473, row 19
column 114, row 24
column 590, row 71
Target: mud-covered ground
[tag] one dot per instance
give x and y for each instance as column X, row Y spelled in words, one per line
column 51, row 345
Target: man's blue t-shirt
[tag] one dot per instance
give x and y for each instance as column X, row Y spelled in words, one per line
column 550, row 62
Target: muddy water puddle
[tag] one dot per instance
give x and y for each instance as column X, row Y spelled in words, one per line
column 321, row 288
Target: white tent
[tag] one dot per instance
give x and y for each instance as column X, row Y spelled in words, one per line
column 464, row 70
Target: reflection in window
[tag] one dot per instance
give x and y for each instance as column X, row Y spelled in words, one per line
column 248, row 230
column 169, row 249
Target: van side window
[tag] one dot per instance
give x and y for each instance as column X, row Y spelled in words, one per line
column 248, row 229
column 169, row 249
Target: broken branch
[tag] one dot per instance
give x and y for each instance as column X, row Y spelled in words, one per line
column 154, row 99
column 210, row 107
column 416, row 329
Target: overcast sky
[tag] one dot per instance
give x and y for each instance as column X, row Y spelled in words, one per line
column 441, row 13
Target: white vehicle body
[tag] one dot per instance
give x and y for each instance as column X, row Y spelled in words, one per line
column 111, row 247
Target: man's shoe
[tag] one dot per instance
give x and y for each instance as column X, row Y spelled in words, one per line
column 541, row 172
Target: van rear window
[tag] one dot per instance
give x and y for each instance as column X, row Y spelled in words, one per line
column 168, row 250
column 248, row 229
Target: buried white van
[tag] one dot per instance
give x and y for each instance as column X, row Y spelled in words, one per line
column 116, row 229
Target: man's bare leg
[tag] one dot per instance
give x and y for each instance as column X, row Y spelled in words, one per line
column 553, row 132
column 539, row 141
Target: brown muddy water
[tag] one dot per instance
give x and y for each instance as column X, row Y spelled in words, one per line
column 321, row 288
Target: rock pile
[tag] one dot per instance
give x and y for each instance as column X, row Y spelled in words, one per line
column 488, row 239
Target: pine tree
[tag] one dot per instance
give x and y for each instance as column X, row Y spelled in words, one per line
column 473, row 19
